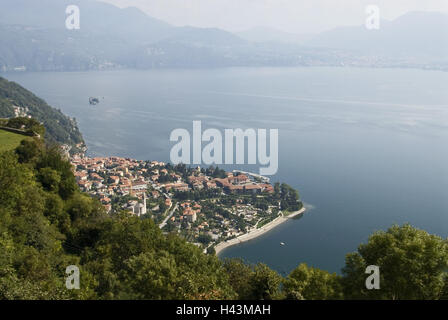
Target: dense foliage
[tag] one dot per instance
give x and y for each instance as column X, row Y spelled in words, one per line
column 413, row 264
column 46, row 224
column 287, row 196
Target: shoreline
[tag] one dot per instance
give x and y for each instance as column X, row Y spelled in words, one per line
column 257, row 232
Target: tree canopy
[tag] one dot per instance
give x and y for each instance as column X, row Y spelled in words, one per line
column 413, row 265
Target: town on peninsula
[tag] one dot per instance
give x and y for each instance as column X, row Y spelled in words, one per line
column 209, row 207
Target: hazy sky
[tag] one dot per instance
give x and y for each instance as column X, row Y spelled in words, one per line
column 298, row 16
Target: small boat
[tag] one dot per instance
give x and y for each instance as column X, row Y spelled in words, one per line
column 282, row 243
column 94, row 101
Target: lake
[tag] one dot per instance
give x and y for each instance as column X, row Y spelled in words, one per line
column 366, row 148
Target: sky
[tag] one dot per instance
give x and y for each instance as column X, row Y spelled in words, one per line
column 295, row 16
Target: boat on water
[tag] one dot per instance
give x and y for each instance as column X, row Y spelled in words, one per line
column 94, row 101
column 282, row 243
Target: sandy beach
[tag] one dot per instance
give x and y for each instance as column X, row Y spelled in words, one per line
column 257, row 232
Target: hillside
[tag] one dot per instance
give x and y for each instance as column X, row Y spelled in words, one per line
column 16, row 100
column 46, row 224
column 265, row 34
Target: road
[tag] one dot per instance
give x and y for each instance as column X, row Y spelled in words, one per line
column 169, row 216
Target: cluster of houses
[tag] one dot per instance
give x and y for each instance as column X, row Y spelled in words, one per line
column 21, row 112
column 189, row 211
column 150, row 183
column 106, row 177
column 242, row 184
column 189, row 214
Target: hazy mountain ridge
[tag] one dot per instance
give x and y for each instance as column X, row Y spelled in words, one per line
column 415, row 34
column 265, row 34
column 33, row 37
column 95, row 17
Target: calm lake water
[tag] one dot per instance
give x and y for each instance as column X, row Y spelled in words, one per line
column 366, row 148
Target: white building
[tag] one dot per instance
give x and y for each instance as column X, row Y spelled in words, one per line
column 136, row 207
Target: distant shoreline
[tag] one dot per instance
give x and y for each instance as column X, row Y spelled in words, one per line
column 257, row 232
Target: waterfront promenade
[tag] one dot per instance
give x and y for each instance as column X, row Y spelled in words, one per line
column 257, row 232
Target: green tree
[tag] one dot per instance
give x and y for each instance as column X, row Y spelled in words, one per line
column 50, row 179
column 312, row 284
column 239, row 277
column 204, row 238
column 52, row 158
column 413, row 265
column 264, row 283
column 29, row 150
column 149, row 265
column 31, row 254
column 151, row 275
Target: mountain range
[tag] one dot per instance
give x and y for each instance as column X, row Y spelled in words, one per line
column 415, row 34
column 33, row 37
column 266, row 34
